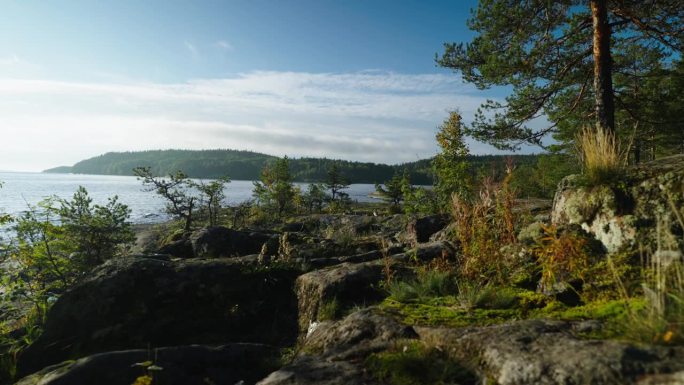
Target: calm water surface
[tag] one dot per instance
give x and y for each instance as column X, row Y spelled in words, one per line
column 20, row 189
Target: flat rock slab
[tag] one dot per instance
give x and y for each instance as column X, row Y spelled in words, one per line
column 181, row 365
column 549, row 352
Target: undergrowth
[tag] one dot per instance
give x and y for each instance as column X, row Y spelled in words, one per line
column 412, row 363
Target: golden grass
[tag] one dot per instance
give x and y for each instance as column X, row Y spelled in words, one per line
column 601, row 154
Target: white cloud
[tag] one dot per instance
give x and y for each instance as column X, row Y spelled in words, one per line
column 368, row 116
column 224, row 45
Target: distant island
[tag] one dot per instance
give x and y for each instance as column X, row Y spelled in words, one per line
column 247, row 165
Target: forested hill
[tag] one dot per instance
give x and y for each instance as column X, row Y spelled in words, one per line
column 246, row 165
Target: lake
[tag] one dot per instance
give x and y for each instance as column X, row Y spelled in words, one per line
column 21, row 188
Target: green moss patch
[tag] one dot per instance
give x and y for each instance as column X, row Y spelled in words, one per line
column 413, row 363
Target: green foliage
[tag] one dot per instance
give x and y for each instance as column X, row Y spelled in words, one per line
column 60, row 240
column 212, row 194
column 275, row 191
column 314, row 197
column 176, row 189
column 55, row 245
column 336, row 182
column 393, row 191
column 420, row 200
column 540, row 179
column 450, row 165
column 544, row 51
column 414, row 363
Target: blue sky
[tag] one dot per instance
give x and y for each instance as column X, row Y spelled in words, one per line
column 342, row 79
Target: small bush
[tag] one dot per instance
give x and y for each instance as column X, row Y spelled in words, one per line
column 601, row 155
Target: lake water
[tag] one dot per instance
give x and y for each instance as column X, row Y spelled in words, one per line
column 20, row 189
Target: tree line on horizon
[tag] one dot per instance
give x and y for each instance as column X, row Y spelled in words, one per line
column 247, row 165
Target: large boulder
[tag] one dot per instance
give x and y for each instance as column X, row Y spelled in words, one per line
column 626, row 213
column 215, row 242
column 420, row 230
column 335, row 351
column 551, row 352
column 134, row 303
column 338, row 286
column 182, row 365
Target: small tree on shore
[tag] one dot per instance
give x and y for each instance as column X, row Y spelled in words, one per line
column 393, row 189
column 275, row 191
column 176, row 190
column 336, row 182
column 212, row 196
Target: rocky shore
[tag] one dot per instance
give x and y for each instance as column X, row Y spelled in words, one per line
column 306, row 302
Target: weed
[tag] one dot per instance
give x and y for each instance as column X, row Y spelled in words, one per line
column 561, row 255
column 483, row 227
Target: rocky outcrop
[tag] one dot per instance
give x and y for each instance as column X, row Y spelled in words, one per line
column 428, row 251
column 335, row 350
column 626, row 213
column 344, row 285
column 183, row 365
column 133, row 303
column 420, row 230
column 550, row 352
column 216, row 242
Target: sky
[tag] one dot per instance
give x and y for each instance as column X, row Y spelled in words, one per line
column 352, row 79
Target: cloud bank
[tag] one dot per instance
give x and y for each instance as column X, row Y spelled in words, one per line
column 368, row 116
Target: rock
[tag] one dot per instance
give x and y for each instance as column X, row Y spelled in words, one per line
column 364, row 331
column 337, row 350
column 531, row 234
column 428, row 251
column 547, row 352
column 445, row 234
column 147, row 238
column 182, row 365
column 419, row 230
column 622, row 215
column 181, row 248
column 133, row 303
column 345, row 284
column 215, row 242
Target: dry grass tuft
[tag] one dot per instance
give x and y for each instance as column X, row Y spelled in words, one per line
column 601, row 154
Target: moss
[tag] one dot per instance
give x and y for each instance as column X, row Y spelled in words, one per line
column 445, row 312
column 413, row 363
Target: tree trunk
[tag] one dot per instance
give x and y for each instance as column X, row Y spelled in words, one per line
column 603, row 81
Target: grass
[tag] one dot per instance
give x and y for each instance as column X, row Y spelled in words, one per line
column 601, row 155
column 411, row 363
column 662, row 319
column 428, row 283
